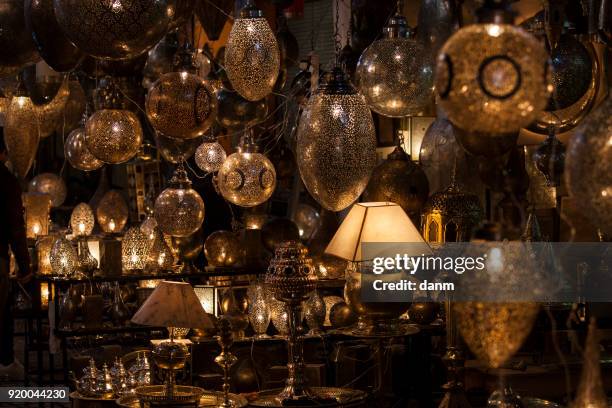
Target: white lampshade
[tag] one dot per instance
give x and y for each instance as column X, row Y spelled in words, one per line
column 376, row 222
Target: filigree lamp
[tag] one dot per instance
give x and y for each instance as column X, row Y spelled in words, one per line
column 134, row 249
column 37, row 207
column 63, row 257
column 210, row 155
column 82, row 220
column 112, row 212
column 51, row 184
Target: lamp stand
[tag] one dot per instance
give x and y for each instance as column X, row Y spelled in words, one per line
column 226, row 359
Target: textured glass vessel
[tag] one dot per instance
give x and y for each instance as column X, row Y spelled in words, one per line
column 77, row 153
column 179, row 209
column 21, row 133
column 113, row 135
column 395, row 73
column 82, row 220
column 247, row 178
column 112, row 212
column 336, row 143
column 588, row 166
column 117, row 29
column 134, row 249
column 181, row 105
column 252, row 58
column 492, row 78
column 209, row 156
column 259, row 311
column 222, row 248
column 49, row 183
column 63, row 257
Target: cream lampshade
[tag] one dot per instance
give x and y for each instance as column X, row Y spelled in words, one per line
column 376, row 222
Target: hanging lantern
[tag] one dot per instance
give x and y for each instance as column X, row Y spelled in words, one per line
column 395, row 73
column 210, row 155
column 37, row 207
column 51, row 114
column 450, row 216
column 259, row 310
column 148, row 227
column 252, row 59
column 134, row 248
column 77, row 153
column 113, row 134
column 179, row 209
column 247, row 178
column 63, row 257
column 74, row 109
column 82, row 220
column 336, row 143
column 492, row 77
column 181, row 104
column 222, row 248
column 118, row 29
column 160, row 59
column 112, row 212
column 589, row 166
column 307, row 220
column 159, row 256
column 51, row 184
column 21, row 131
column 43, row 253
column 399, row 180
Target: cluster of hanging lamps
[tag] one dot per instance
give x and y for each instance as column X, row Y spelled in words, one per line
column 247, row 178
column 395, row 73
column 113, row 134
column 336, row 143
column 493, row 77
column 181, row 104
column 252, row 58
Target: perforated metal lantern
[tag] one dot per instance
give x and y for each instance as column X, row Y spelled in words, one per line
column 252, row 58
column 21, row 133
column 222, row 248
column 82, row 220
column 493, row 77
column 112, row 212
column 179, row 209
column 134, row 248
column 51, row 184
column 336, row 143
column 77, row 153
column 210, row 156
column 63, row 257
column 37, row 207
column 395, row 73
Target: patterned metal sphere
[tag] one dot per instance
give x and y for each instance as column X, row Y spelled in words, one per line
column 291, row 276
column 16, row 43
column 341, row 315
column 236, row 112
column 176, row 150
column 52, row 44
column 252, row 58
column 160, row 59
column 134, row 248
column 396, row 76
column 307, row 219
column 179, row 209
column 21, row 134
column 210, row 156
column 118, row 29
column 336, row 144
column 277, row 231
column 82, row 220
column 222, row 248
column 112, row 212
column 492, row 78
column 247, row 178
column 63, row 257
column 113, row 135
column 77, row 153
column 589, row 166
column 181, row 105
column 399, row 180
column 52, row 184
column 330, row 302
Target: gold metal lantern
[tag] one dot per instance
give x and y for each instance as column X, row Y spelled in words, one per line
column 252, row 58
column 336, row 143
column 222, row 248
column 247, row 178
column 179, row 209
column 63, row 257
column 82, row 220
column 210, row 155
column 21, row 132
column 112, row 212
column 159, row 256
column 77, row 153
column 37, row 207
column 134, row 249
column 43, row 252
column 493, row 77
column 51, row 184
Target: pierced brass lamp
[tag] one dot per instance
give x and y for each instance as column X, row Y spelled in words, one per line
column 172, row 304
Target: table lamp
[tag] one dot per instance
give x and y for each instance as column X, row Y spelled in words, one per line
column 370, row 223
column 172, row 304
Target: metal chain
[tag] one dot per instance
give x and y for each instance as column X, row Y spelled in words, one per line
column 337, row 33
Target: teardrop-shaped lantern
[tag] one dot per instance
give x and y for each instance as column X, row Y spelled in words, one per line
column 252, row 58
column 82, row 220
column 336, row 143
column 21, row 131
column 112, row 212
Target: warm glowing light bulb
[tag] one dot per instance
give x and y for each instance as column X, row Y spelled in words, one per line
column 36, row 229
column 111, row 225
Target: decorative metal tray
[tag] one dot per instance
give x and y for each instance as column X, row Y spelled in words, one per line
column 207, row 399
column 344, row 398
column 156, row 394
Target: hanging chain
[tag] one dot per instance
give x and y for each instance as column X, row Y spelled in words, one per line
column 337, row 33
